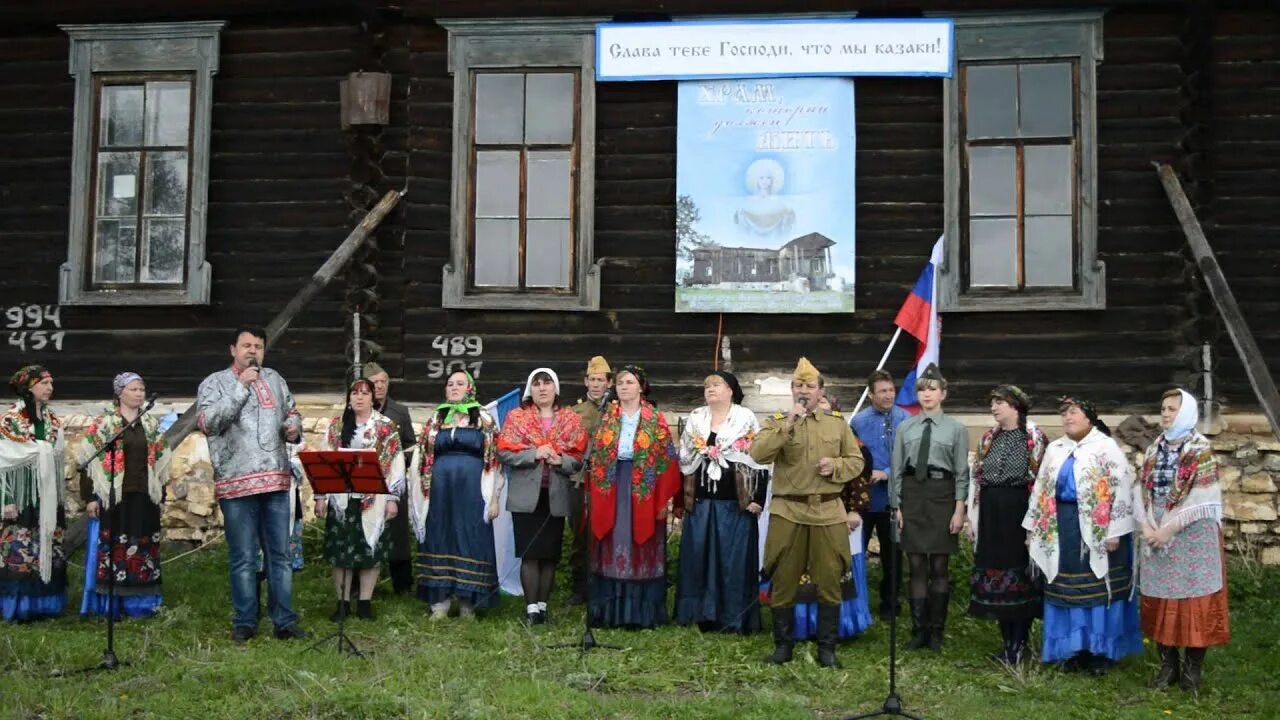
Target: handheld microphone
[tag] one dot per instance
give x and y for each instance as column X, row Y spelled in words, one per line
column 253, row 363
column 609, row 396
column 151, row 401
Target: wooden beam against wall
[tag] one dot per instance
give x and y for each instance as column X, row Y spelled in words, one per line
column 322, row 277
column 1264, row 386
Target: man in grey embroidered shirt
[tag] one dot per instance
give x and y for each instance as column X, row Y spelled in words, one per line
column 248, row 415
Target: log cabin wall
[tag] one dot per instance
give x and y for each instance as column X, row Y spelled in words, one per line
column 283, row 180
column 1148, row 105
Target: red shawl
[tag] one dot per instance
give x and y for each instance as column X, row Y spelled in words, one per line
column 655, row 472
column 522, row 430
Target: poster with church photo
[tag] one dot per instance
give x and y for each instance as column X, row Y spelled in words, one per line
column 765, row 210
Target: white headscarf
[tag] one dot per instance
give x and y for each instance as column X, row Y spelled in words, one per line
column 528, row 384
column 1184, row 423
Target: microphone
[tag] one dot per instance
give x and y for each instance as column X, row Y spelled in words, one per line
column 609, row 396
column 151, row 400
column 253, row 362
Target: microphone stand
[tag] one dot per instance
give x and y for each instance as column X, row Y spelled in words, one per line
column 892, row 704
column 109, row 659
column 588, row 640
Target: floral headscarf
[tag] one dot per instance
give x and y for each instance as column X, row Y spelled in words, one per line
column 1088, row 408
column 122, row 381
column 22, row 381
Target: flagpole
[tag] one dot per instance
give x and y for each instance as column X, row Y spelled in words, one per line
column 883, row 358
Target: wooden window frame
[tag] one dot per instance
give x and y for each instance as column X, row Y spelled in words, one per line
column 524, row 148
column 134, row 79
column 1019, row 39
column 141, row 52
column 529, row 45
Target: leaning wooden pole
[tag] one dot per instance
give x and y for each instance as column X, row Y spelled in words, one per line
column 1255, row 368
column 338, row 260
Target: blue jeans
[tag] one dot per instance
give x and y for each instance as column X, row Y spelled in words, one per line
column 253, row 522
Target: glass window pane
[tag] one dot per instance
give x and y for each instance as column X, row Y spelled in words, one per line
column 168, row 112
column 547, row 254
column 1047, row 186
column 1048, row 247
column 120, row 119
column 163, row 251
column 549, row 183
column 992, row 180
column 991, row 101
column 499, row 108
column 166, row 184
column 497, row 253
column 548, row 113
column 115, row 246
column 498, row 184
column 1046, row 106
column 118, row 183
column 992, row 253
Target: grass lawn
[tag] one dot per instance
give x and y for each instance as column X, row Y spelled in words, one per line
column 183, row 665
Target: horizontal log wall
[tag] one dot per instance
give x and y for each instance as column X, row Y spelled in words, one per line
column 279, row 168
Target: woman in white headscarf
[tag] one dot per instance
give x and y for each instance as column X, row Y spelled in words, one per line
column 1183, row 578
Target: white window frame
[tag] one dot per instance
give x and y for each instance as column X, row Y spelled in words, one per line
column 139, row 48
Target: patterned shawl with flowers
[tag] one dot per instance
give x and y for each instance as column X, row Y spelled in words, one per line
column 1104, row 491
column 1196, row 493
column 31, row 473
column 380, row 434
column 522, row 430
column 1036, row 444
column 102, row 429
column 419, row 492
column 655, row 471
column 732, row 445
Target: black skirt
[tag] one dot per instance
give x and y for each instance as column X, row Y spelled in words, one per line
column 538, row 533
column 927, row 506
column 1001, row 585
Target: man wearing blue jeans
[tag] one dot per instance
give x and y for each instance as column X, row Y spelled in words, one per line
column 248, row 416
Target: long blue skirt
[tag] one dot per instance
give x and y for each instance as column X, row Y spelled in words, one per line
column 457, row 557
column 855, row 612
column 1108, row 626
column 93, row 602
column 719, row 568
column 628, row 585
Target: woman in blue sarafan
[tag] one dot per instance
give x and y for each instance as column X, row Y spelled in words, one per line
column 453, row 497
column 855, row 607
column 1080, row 524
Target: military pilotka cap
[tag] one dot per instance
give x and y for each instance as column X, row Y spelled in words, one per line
column 932, row 374
column 598, row 364
column 805, row 371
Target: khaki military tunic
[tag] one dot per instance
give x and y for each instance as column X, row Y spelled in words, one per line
column 807, row 531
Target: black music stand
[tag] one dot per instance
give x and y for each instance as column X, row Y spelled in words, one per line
column 343, row 471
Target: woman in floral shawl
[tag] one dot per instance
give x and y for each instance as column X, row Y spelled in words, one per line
column 1080, row 523
column 454, row 492
column 724, row 492
column 1183, row 580
column 125, row 539
column 634, row 472
column 542, row 443
column 33, row 566
column 1001, row 585
column 354, row 537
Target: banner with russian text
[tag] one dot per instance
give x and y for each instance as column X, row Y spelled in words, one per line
column 690, row 50
column 765, row 205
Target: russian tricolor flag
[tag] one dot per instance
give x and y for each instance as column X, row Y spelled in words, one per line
column 919, row 318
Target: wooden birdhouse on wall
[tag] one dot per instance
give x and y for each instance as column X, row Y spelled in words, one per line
column 366, row 99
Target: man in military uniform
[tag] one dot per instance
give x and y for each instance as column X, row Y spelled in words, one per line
column 814, row 456
column 598, row 379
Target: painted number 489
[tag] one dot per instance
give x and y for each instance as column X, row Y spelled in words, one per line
column 456, row 348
